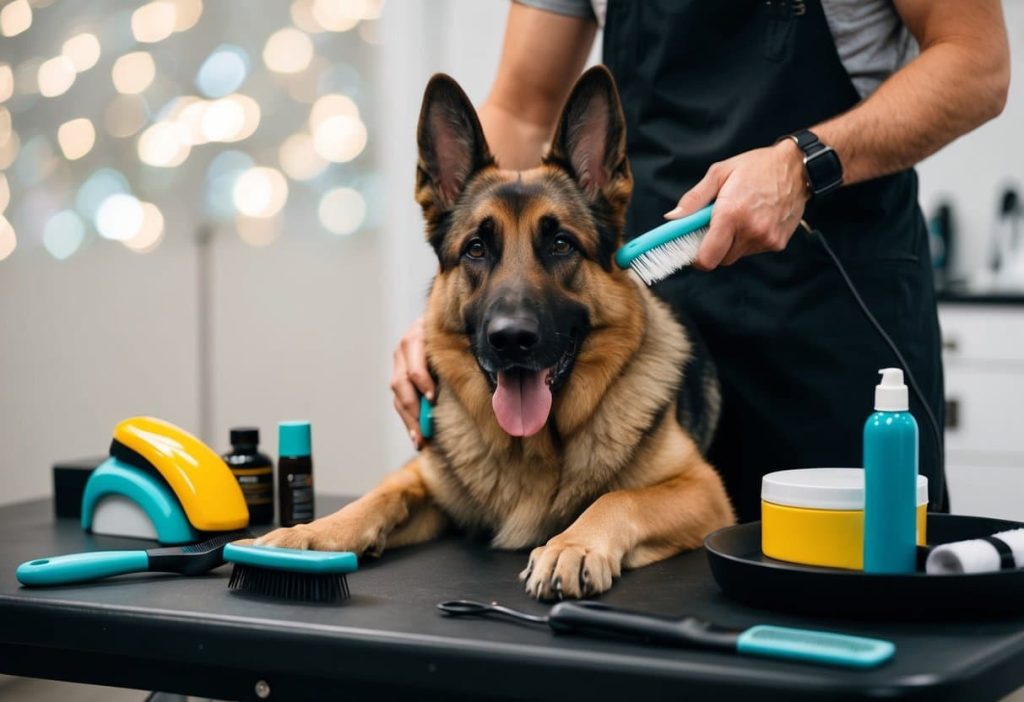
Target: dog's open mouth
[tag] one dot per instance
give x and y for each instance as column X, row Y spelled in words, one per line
column 522, row 396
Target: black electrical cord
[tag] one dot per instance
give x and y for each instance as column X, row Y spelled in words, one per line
column 936, row 430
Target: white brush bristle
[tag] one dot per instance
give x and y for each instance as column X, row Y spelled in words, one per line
column 662, row 261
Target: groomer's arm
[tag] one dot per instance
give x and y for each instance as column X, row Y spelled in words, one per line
column 541, row 58
column 958, row 82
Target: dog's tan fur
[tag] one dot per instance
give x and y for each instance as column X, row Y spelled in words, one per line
column 615, row 482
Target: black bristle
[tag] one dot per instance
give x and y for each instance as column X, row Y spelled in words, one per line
column 286, row 585
column 216, row 542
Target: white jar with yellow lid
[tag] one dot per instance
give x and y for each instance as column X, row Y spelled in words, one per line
column 815, row 516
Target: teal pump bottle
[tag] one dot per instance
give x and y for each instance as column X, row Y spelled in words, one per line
column 890, row 480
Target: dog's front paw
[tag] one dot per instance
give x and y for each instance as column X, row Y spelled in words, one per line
column 565, row 568
column 325, row 535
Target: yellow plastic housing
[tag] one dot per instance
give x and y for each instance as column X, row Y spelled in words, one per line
column 820, row 537
column 199, row 478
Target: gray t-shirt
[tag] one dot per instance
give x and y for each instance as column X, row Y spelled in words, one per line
column 871, row 39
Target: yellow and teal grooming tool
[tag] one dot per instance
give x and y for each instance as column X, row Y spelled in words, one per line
column 289, row 573
column 666, row 249
column 161, row 483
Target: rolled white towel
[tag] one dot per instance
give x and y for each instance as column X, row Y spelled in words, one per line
column 1001, row 551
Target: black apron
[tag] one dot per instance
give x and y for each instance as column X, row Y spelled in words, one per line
column 704, row 80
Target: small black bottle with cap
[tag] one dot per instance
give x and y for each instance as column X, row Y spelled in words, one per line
column 254, row 472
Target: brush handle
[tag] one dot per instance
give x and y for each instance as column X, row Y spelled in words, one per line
column 426, row 418
column 597, row 619
column 81, row 567
column 814, row 646
column 673, row 229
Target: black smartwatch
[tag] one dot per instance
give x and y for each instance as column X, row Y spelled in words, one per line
column 823, row 170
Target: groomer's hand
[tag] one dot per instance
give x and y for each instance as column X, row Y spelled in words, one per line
column 410, row 378
column 759, row 200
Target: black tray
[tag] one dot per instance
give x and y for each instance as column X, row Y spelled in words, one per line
column 747, row 575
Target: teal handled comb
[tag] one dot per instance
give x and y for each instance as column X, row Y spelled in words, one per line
column 666, row 249
column 192, row 559
column 289, row 573
column 596, row 619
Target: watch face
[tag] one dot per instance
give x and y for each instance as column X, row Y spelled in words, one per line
column 824, row 171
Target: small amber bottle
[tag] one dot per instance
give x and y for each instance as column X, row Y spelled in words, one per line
column 295, row 474
column 254, row 472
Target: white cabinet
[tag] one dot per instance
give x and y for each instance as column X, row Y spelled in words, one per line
column 983, row 355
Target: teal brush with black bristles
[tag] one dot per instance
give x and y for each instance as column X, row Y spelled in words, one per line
column 289, row 573
column 664, row 250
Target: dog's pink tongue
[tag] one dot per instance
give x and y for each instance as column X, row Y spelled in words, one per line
column 522, row 401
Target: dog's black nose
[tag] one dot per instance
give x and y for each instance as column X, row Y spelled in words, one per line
column 513, row 336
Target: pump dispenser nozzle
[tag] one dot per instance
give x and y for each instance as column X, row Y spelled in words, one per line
column 891, row 393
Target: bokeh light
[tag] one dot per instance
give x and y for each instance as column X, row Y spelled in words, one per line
column 258, row 231
column 9, row 149
column 164, row 145
column 100, row 185
column 260, row 192
column 342, row 210
column 220, row 182
column 186, row 14
column 8, row 242
column 299, row 159
column 336, row 15
column 125, row 116
column 5, row 125
column 154, row 21
column 63, row 234
column 56, row 76
column 223, row 71
column 5, row 193
column 15, row 18
column 83, row 50
column 6, row 82
column 301, row 12
column 36, row 161
column 331, row 106
column 133, row 73
column 150, row 232
column 76, row 138
column 288, row 50
column 119, row 217
column 222, row 120
column 340, row 138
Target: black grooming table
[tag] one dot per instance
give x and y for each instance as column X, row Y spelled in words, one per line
column 191, row 635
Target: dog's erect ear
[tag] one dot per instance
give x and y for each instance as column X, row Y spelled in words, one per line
column 452, row 146
column 590, row 144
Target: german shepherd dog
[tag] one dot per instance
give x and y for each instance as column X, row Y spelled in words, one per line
column 561, row 420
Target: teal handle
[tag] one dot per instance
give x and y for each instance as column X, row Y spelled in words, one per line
column 814, row 646
column 80, row 567
column 292, row 559
column 426, row 418
column 659, row 235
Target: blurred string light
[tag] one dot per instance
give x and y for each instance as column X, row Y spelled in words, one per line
column 164, row 145
column 63, row 234
column 9, row 149
column 119, row 217
column 125, row 115
column 133, row 72
column 301, row 12
column 100, row 185
column 260, row 192
column 339, row 134
column 370, row 32
column 154, row 21
column 223, row 71
column 5, row 125
column 342, row 210
column 83, row 50
column 6, row 82
column 56, row 76
column 186, row 14
column 76, row 138
column 299, row 159
column 220, row 181
column 8, row 241
column 258, row 231
column 15, row 18
column 150, row 232
column 343, row 15
column 288, row 50
column 5, row 193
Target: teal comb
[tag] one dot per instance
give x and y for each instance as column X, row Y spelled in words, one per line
column 666, row 249
column 426, row 418
column 289, row 573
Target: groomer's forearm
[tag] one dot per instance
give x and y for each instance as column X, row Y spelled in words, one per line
column 517, row 143
column 951, row 88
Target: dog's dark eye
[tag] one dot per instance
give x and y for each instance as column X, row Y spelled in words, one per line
column 475, row 249
column 562, row 246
